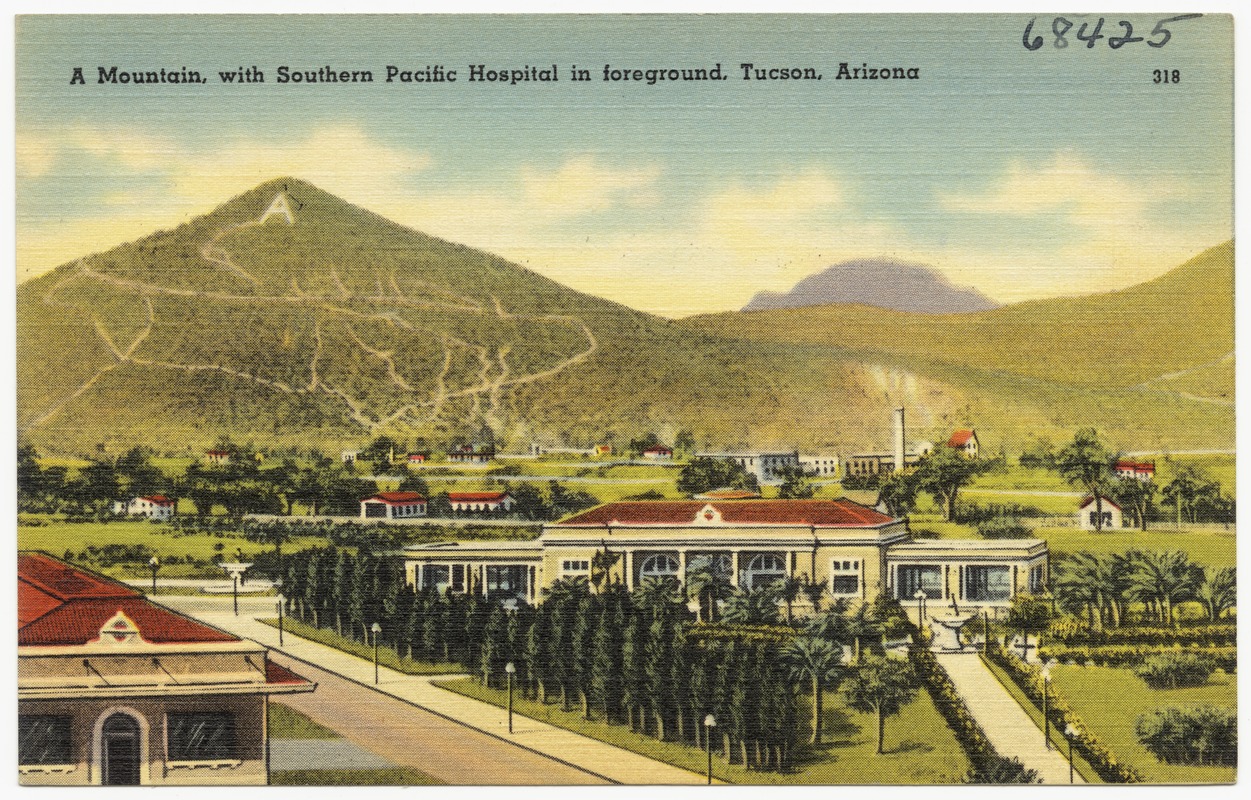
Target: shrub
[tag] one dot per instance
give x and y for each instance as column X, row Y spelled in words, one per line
column 1201, row 735
column 1175, row 670
column 1072, row 631
column 1225, row 658
column 1005, row 527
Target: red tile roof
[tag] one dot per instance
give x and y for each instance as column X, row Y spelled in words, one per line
column 1137, row 466
column 159, row 499
column 658, row 448
column 1090, row 499
column 475, row 497
column 960, row 438
column 59, row 604
column 820, row 513
column 275, row 673
column 393, row 498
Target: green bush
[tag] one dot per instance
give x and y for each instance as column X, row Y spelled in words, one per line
column 1201, row 735
column 1175, row 670
column 1003, row 528
column 1072, row 631
column 1225, row 658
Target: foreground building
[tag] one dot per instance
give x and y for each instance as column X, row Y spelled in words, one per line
column 115, row 690
column 859, row 552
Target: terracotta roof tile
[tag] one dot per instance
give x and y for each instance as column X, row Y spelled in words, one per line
column 960, row 438
column 475, row 497
column 398, row 497
column 820, row 513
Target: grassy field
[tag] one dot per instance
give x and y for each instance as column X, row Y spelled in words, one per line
column 386, row 656
column 920, row 749
column 287, row 723
column 1110, row 701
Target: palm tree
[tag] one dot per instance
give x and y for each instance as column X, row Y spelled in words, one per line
column 815, row 662
column 704, row 579
column 787, row 590
column 752, row 607
column 657, row 595
column 1169, row 578
column 1218, row 591
column 815, row 591
column 831, row 625
column 574, row 588
column 882, row 686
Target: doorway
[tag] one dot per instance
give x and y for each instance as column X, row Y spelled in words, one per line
column 119, row 751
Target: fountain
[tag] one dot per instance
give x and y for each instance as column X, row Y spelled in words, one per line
column 946, row 632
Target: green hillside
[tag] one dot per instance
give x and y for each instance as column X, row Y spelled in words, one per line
column 335, row 325
column 1153, row 362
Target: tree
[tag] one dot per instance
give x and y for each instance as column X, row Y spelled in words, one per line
column 943, row 473
column 601, row 564
column 1028, row 614
column 703, row 474
column 787, row 590
column 684, row 442
column 882, row 686
column 756, row 606
column 1168, row 578
column 796, row 483
column 706, row 580
column 898, row 491
column 1084, row 462
column 659, row 596
column 815, row 663
column 1218, row 591
column 1138, row 496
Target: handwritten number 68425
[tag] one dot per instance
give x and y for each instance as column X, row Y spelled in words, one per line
column 1060, row 26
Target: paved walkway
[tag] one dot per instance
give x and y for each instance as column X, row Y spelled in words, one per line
column 1009, row 728
column 611, row 763
column 293, row 754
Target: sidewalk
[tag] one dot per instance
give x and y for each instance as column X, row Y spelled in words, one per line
column 1009, row 728
column 605, row 760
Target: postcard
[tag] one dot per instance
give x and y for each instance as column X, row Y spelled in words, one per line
column 766, row 399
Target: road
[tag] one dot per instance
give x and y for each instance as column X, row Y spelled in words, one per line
column 412, row 737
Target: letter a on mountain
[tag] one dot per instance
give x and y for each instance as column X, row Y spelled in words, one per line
column 279, row 208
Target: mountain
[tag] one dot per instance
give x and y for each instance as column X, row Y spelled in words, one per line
column 878, row 282
column 290, row 319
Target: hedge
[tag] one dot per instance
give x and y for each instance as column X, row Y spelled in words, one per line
column 1072, row 632
column 1061, row 714
column 1225, row 658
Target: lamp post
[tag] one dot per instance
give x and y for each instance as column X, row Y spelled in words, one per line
column 920, row 598
column 375, row 629
column 1071, row 732
column 510, row 669
column 1046, row 676
column 710, row 722
column 282, row 603
column 154, row 565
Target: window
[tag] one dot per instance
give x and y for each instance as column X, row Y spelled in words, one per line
column 845, row 577
column 43, row 739
column 660, row 565
column 434, row 576
column 201, row 736
column 987, row 584
column 458, row 577
column 1037, row 577
column 506, row 580
column 911, row 579
column 575, row 566
column 763, row 570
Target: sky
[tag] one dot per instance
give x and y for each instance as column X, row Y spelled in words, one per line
column 1023, row 174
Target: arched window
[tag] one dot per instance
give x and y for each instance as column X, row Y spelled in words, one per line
column 659, row 565
column 763, row 570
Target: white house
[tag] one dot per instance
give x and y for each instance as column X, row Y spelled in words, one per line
column 765, row 466
column 349, row 456
column 658, row 452
column 820, row 466
column 217, row 457
column 480, row 501
column 466, row 454
column 1086, row 514
column 393, row 505
column 154, row 507
column 1138, row 470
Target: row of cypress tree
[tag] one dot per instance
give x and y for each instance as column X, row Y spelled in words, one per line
column 621, row 658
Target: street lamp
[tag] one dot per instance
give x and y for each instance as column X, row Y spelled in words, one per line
column 282, row 603
column 510, row 669
column 1046, row 676
column 1071, row 731
column 920, row 598
column 154, row 565
column 710, row 722
column 375, row 629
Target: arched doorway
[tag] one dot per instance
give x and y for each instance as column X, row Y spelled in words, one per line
column 120, row 751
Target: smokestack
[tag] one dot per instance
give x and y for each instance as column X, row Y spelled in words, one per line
column 899, row 439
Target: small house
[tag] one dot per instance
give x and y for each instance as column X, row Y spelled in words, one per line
column 155, row 507
column 1129, row 469
column 658, row 452
column 964, row 440
column 1087, row 515
column 393, row 505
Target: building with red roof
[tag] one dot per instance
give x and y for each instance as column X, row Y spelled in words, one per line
column 114, row 689
column 658, row 452
column 480, row 501
column 393, row 505
column 965, row 440
column 856, row 552
column 1089, row 513
column 1128, row 468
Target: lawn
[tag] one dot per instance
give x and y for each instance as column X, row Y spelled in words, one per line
column 57, row 536
column 287, row 723
column 920, row 749
column 1110, row 700
column 386, row 656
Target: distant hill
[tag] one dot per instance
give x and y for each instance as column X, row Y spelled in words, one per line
column 290, row 319
column 879, row 282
